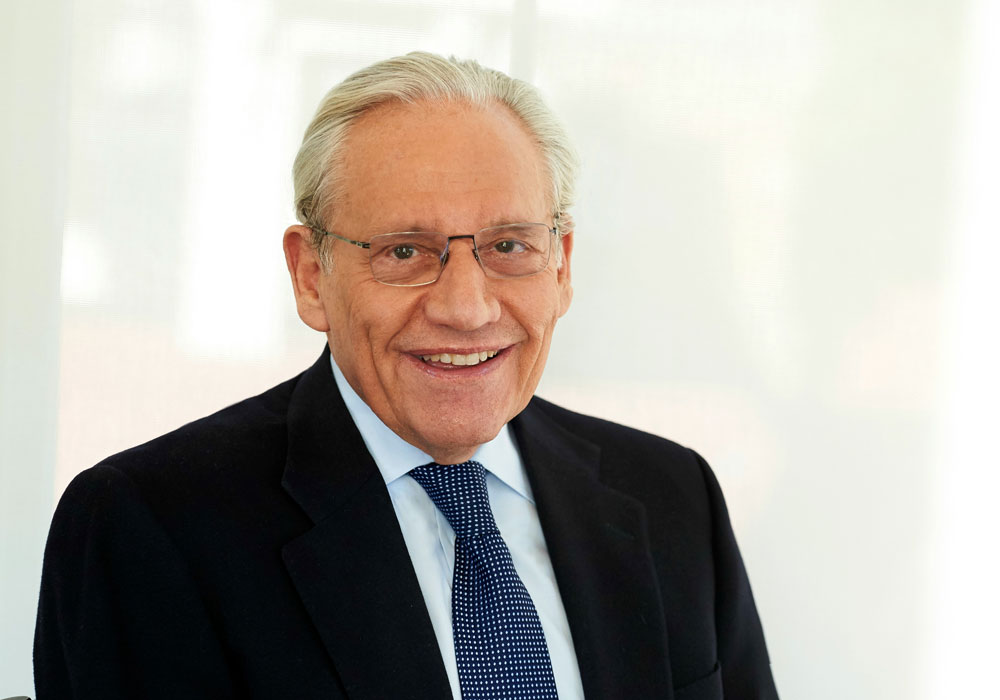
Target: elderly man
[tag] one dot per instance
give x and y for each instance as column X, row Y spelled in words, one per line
column 404, row 519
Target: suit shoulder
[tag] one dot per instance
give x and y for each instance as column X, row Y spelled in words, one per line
column 231, row 445
column 608, row 433
column 630, row 458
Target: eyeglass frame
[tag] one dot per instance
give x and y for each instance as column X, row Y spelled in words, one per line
column 553, row 230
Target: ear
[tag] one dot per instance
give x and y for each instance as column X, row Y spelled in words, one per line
column 307, row 275
column 563, row 274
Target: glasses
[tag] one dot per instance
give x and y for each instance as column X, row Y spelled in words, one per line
column 417, row 258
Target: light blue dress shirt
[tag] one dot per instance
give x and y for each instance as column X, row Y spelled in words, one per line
column 431, row 541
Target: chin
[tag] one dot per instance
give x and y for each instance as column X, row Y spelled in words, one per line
column 458, row 441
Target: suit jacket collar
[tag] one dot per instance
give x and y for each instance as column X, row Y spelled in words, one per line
column 599, row 548
column 352, row 569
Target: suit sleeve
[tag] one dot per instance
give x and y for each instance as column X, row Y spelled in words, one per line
column 746, row 669
column 119, row 614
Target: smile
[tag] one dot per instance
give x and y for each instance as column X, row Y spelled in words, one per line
column 473, row 358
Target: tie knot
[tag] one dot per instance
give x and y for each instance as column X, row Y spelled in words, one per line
column 459, row 492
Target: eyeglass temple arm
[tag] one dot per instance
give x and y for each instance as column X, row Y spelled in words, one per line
column 359, row 244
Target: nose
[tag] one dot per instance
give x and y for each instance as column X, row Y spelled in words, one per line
column 461, row 298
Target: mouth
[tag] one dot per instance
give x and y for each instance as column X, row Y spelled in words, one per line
column 459, row 359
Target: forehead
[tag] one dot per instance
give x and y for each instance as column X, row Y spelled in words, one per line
column 441, row 164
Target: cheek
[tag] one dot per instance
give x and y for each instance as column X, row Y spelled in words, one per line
column 345, row 313
column 375, row 318
column 347, row 304
column 543, row 307
column 538, row 316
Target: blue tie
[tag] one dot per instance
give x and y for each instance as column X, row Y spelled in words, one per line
column 499, row 643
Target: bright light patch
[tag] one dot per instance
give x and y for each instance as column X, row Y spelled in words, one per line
column 84, row 266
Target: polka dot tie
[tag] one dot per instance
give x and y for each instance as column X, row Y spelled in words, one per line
column 499, row 643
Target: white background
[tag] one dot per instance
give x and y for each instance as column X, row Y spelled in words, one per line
column 786, row 257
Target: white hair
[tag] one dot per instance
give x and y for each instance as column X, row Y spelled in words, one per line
column 411, row 78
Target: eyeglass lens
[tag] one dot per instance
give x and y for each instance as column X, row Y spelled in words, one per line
column 406, row 259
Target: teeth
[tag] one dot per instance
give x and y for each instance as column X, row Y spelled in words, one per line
column 473, row 358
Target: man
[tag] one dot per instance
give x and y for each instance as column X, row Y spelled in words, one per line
column 404, row 519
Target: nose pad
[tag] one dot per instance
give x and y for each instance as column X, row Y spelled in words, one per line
column 475, row 253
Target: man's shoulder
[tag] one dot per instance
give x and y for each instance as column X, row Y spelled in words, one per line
column 630, row 457
column 608, row 434
column 241, row 429
column 234, row 449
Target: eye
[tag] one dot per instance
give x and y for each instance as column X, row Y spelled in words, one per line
column 508, row 246
column 403, row 252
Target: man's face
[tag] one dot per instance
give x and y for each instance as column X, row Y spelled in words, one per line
column 456, row 169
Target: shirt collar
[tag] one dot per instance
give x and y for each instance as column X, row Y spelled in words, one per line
column 395, row 457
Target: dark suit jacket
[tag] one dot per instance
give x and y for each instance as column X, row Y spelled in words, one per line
column 256, row 553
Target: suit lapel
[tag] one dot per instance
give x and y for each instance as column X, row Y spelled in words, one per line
column 599, row 549
column 352, row 569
